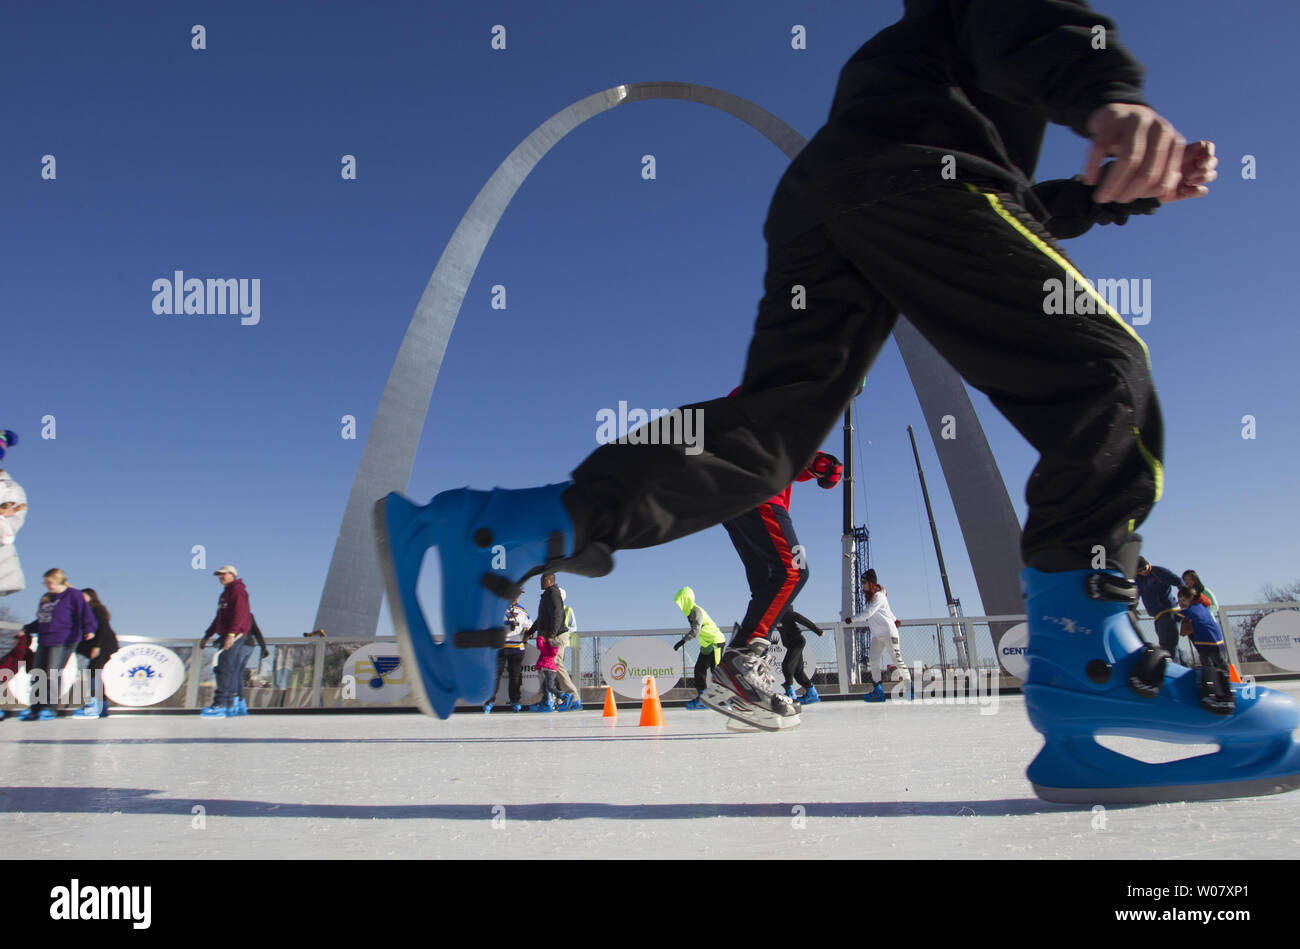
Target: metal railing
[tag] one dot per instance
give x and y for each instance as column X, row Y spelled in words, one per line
column 309, row 673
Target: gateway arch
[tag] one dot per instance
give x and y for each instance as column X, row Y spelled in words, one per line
column 354, row 587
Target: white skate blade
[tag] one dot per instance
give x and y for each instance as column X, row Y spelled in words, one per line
column 726, row 702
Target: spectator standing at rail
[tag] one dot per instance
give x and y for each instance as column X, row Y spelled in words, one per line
column 94, row 652
column 63, row 619
column 230, row 627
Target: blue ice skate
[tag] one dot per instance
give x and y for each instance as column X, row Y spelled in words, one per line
column 1090, row 674
column 875, row 695
column 240, row 705
column 516, row 707
column 810, row 696
column 92, row 710
column 547, row 706
column 791, row 693
column 215, row 711
column 489, row 543
column 695, row 704
column 488, row 707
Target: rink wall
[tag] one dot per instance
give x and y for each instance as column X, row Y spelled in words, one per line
column 365, row 673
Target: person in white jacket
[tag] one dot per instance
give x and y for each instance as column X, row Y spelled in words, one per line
column 13, row 513
column 880, row 620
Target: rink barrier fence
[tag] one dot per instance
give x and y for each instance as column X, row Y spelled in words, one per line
column 307, row 673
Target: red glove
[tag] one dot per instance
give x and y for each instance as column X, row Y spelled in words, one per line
column 826, row 469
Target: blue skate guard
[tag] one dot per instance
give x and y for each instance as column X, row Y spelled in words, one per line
column 1090, row 673
column 484, row 539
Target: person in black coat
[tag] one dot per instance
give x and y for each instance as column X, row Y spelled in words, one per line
column 95, row 651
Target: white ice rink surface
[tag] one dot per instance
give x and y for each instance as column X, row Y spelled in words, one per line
column 853, row 781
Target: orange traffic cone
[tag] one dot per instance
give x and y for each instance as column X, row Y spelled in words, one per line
column 652, row 712
column 1233, row 674
column 611, row 710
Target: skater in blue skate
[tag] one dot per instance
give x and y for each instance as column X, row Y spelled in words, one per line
column 917, row 197
column 511, row 657
column 880, row 620
column 792, row 662
column 710, row 640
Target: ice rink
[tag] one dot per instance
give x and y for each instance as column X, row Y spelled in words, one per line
column 899, row 780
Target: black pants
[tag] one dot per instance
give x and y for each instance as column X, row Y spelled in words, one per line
column 969, row 270
column 45, row 688
column 1211, row 656
column 514, row 658
column 792, row 664
column 1167, row 633
column 707, row 660
column 765, row 540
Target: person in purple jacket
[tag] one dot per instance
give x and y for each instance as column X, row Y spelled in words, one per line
column 63, row 619
column 230, row 626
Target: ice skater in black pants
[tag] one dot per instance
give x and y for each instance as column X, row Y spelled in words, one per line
column 917, row 197
column 792, row 663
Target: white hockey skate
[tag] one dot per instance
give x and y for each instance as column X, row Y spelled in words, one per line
column 743, row 688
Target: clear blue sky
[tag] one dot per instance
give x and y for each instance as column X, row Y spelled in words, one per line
column 178, row 431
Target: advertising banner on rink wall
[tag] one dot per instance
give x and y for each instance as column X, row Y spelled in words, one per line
column 626, row 663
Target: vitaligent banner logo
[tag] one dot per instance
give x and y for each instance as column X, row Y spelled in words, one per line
column 215, row 296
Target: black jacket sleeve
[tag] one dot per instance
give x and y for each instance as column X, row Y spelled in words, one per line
column 1044, row 54
column 1071, row 210
column 806, row 622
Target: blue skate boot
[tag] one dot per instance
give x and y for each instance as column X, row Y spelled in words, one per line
column 1091, row 673
column 488, row 707
column 875, row 695
column 489, row 543
column 695, row 704
column 810, row 696
column 791, row 694
column 92, row 710
column 516, row 707
column 239, row 706
column 215, row 711
column 547, row 706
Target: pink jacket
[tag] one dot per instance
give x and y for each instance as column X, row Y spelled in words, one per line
column 545, row 653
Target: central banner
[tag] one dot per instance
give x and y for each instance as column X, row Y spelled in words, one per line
column 627, row 662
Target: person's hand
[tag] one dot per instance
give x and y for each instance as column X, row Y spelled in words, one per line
column 1147, row 149
column 226, row 641
column 88, row 636
column 898, row 624
column 1198, row 170
column 94, row 653
column 827, row 468
column 265, row 652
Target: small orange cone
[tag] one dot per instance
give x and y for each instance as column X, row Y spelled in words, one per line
column 1233, row 674
column 652, row 712
column 611, row 710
